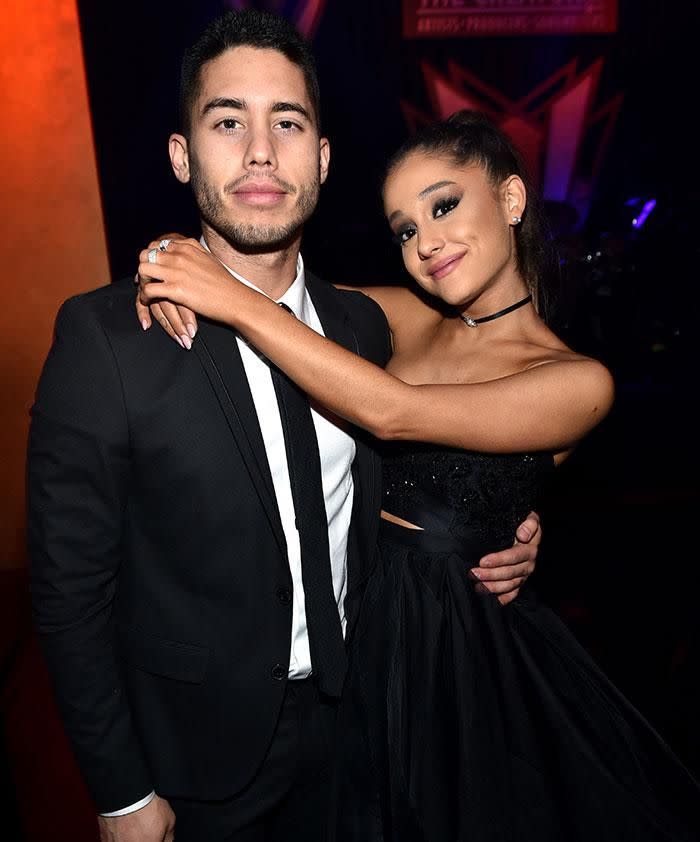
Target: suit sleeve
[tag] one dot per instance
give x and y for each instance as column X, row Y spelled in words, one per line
column 78, row 471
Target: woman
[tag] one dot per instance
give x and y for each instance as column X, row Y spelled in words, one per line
column 483, row 722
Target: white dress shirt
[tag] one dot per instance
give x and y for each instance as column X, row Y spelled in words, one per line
column 337, row 451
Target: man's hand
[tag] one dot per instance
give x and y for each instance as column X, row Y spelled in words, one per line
column 504, row 573
column 153, row 823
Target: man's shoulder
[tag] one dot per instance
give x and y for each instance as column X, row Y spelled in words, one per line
column 110, row 305
column 106, row 295
column 368, row 322
column 360, row 307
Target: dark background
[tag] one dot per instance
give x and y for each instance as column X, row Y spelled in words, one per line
column 133, row 50
column 620, row 559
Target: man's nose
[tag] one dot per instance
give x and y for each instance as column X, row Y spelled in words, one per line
column 261, row 149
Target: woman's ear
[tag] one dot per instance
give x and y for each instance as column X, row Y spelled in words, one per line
column 514, row 199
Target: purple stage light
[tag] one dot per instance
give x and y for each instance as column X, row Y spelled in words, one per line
column 641, row 218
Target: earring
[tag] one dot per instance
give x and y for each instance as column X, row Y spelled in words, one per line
column 516, row 220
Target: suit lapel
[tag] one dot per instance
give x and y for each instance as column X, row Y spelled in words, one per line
column 217, row 350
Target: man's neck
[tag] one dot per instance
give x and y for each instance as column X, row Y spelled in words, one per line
column 272, row 272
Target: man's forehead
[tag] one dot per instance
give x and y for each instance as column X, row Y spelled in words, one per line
column 247, row 73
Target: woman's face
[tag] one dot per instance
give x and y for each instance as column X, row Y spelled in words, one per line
column 454, row 228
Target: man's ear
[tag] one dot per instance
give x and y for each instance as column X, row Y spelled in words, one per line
column 179, row 157
column 324, row 157
column 515, row 198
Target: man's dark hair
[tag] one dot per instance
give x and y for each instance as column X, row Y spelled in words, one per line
column 249, row 28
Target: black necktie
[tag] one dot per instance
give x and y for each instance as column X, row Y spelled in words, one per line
column 328, row 659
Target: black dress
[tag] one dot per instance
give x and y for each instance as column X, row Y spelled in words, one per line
column 468, row 721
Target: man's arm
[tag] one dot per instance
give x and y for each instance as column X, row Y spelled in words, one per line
column 78, row 469
column 154, row 822
column 504, row 573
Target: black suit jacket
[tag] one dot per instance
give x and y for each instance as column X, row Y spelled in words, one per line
column 159, row 572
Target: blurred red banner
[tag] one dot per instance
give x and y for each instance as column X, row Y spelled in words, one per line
column 474, row 18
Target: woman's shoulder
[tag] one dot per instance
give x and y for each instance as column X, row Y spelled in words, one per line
column 550, row 356
column 543, row 346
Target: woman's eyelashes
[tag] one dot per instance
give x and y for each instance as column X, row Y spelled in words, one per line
column 445, row 205
column 440, row 208
column 403, row 235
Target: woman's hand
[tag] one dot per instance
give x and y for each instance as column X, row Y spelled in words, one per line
column 187, row 274
column 179, row 321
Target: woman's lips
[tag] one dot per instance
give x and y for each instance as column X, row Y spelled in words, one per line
column 445, row 266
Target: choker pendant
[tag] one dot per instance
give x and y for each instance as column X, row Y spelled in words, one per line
column 476, row 322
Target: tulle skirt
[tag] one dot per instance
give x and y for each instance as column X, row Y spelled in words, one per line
column 468, row 721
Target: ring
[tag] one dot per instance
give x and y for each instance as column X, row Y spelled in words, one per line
column 152, row 255
column 163, row 245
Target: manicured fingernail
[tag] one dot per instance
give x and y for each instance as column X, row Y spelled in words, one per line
column 186, row 341
column 525, row 532
column 192, row 330
column 179, row 342
column 475, row 572
column 144, row 324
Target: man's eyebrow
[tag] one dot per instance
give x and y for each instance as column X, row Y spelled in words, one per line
column 242, row 105
column 296, row 107
column 224, row 102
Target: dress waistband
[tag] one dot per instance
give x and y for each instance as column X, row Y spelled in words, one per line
column 470, row 546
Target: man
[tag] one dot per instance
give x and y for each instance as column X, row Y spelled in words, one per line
column 172, row 570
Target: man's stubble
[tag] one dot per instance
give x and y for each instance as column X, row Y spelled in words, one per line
column 246, row 237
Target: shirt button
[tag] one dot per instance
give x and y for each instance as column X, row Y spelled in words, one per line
column 278, row 672
column 284, row 595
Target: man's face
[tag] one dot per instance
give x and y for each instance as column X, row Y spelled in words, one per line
column 254, row 156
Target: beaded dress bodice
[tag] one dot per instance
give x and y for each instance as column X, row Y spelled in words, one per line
column 461, row 491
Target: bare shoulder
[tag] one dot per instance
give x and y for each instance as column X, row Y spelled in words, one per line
column 584, row 385
column 585, row 377
column 404, row 308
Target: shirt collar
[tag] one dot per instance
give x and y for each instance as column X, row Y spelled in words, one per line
column 294, row 297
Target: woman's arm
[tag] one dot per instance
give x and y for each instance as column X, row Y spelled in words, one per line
column 549, row 407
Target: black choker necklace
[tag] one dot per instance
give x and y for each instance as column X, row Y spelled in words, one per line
column 475, row 322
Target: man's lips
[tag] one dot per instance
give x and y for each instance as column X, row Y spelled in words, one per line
column 260, row 194
column 444, row 266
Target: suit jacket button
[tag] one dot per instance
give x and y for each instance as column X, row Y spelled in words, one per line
column 284, row 595
column 279, row 673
